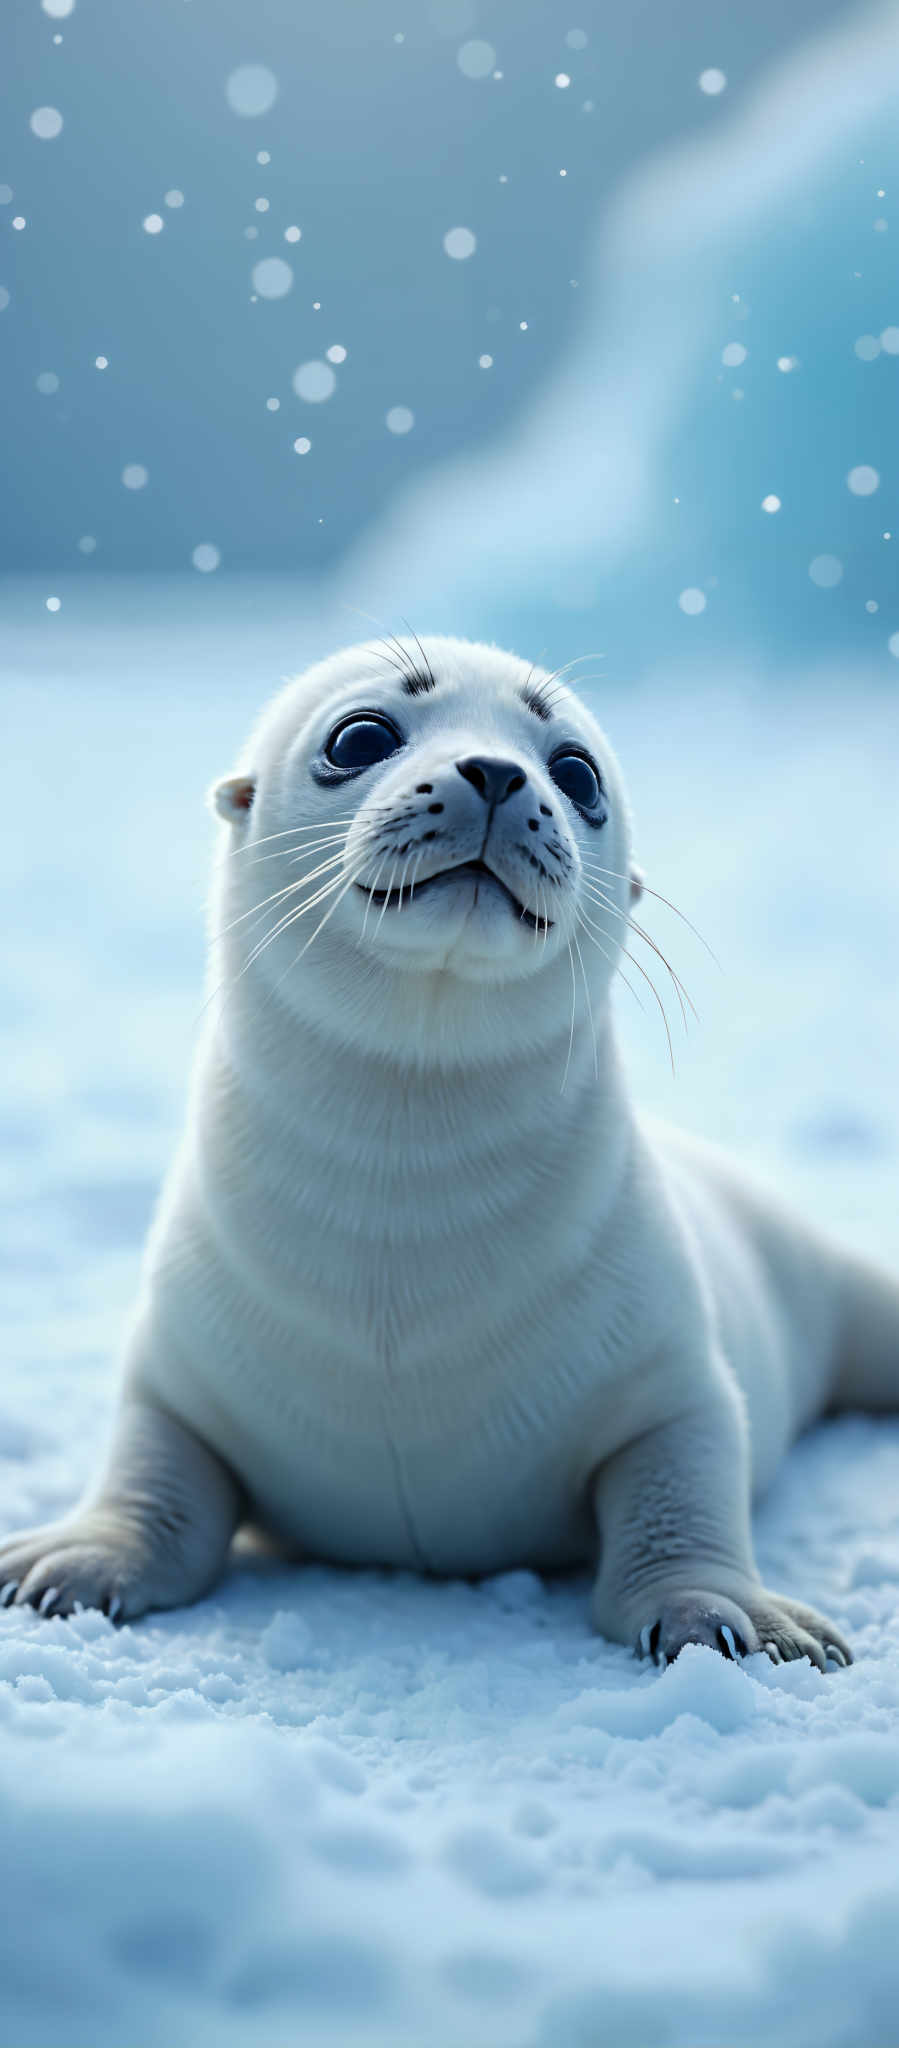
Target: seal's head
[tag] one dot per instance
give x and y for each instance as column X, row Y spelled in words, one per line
column 442, row 812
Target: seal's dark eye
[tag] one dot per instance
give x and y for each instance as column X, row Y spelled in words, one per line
column 577, row 778
column 360, row 742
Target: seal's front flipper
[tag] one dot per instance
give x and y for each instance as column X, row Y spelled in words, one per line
column 784, row 1629
column 155, row 1534
column 675, row 1551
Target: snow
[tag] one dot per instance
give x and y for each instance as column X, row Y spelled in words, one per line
column 272, row 278
column 359, row 1807
column 863, row 480
column 314, row 381
column 46, row 123
column 476, row 59
column 460, row 243
column 251, row 89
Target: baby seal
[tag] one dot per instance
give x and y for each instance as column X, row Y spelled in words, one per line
column 422, row 1290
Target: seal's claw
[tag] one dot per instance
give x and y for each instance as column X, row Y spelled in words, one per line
column 648, row 1642
column 794, row 1630
column 784, row 1629
column 730, row 1643
column 707, row 1618
column 67, row 1565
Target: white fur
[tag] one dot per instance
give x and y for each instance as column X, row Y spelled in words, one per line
column 414, row 1300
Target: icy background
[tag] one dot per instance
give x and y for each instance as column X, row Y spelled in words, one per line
column 355, row 1807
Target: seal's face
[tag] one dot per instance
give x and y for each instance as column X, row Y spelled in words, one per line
column 444, row 808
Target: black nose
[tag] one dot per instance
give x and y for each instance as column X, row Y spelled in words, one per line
column 493, row 780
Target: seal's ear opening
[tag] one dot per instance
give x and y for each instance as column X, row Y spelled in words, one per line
column 233, row 797
column 636, row 882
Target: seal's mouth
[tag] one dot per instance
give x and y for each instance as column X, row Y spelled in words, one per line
column 478, row 870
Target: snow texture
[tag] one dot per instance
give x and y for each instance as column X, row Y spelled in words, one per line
column 357, row 1807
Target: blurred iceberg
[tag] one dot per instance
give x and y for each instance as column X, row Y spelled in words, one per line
column 714, row 464
column 580, row 367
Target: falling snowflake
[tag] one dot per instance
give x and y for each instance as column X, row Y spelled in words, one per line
column 251, row 89
column 314, row 382
column 863, row 480
column 826, row 571
column 460, row 243
column 476, row 60
column 272, row 278
column 45, row 122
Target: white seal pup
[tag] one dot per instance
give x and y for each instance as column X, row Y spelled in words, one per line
column 408, row 1298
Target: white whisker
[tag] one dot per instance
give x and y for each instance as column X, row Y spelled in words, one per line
column 386, row 897
column 571, row 1032
column 328, row 913
column 403, row 880
column 599, row 896
column 289, row 832
column 290, row 889
column 589, row 1006
column 590, row 930
column 290, row 918
column 617, row 876
column 371, row 892
column 323, row 921
column 285, row 853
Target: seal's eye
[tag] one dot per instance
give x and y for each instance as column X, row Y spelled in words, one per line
column 577, row 778
column 361, row 741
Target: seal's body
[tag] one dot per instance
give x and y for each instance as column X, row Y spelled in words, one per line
column 422, row 1290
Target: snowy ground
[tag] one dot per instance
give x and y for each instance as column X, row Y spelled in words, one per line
column 355, row 1807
